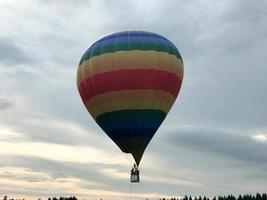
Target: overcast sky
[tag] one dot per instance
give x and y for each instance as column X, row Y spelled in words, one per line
column 214, row 140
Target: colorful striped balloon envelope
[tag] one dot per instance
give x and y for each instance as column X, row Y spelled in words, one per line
column 128, row 81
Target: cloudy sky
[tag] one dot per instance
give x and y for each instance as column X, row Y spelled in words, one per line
column 214, row 140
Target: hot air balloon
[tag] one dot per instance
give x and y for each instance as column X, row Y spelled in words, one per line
column 128, row 81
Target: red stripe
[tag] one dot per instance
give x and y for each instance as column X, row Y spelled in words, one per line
column 129, row 79
column 83, row 93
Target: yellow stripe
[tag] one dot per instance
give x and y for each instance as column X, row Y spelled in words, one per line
column 130, row 104
column 130, row 60
column 130, row 94
column 79, row 75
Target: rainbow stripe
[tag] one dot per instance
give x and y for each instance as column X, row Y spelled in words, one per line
column 128, row 82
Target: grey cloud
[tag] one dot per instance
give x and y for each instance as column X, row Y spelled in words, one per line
column 57, row 169
column 5, row 104
column 64, row 3
column 88, row 173
column 60, row 133
column 234, row 30
column 246, row 11
column 56, row 135
column 222, row 143
column 11, row 54
column 224, row 79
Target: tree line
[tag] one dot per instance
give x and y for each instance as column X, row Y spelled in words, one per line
column 258, row 196
column 63, row 198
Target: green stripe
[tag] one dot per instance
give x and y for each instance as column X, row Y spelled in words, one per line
column 129, row 47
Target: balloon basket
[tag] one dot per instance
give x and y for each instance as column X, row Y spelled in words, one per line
column 134, row 178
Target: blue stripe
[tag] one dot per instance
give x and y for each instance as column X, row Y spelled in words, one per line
column 131, row 33
column 129, row 40
column 140, row 133
column 132, row 140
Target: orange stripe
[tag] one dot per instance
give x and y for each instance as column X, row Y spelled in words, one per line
column 79, row 76
column 130, row 94
column 130, row 60
column 130, row 104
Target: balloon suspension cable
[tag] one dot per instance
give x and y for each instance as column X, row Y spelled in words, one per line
column 130, row 191
column 193, row 181
column 170, row 188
